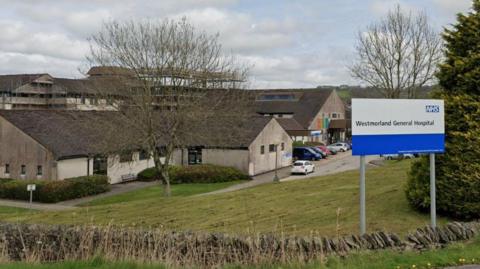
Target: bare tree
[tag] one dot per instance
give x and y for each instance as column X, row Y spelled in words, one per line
column 398, row 54
column 169, row 83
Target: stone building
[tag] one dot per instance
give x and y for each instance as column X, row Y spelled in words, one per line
column 55, row 144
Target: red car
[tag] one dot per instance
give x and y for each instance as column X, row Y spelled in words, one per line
column 325, row 149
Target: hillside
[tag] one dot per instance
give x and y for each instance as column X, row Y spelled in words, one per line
column 296, row 207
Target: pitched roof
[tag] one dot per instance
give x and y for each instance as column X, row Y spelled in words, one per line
column 11, row 82
column 304, row 104
column 290, row 124
column 72, row 133
column 225, row 133
column 62, row 132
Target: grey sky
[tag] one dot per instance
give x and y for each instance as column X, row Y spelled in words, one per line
column 289, row 43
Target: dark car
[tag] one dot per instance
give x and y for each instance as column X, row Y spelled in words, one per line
column 305, row 153
column 321, row 152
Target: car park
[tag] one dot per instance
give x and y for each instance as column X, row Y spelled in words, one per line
column 306, row 153
column 324, row 154
column 303, row 167
column 397, row 156
column 338, row 147
column 326, row 150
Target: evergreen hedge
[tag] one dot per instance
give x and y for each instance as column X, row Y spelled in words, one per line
column 458, row 170
column 52, row 191
column 204, row 173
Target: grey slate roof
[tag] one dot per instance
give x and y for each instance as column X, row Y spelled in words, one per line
column 11, row 82
column 67, row 133
column 64, row 133
column 304, row 107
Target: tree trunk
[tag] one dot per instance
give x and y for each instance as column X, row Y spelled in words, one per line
column 167, row 192
column 162, row 171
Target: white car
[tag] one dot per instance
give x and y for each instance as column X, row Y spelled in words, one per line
column 338, row 147
column 398, row 156
column 303, row 167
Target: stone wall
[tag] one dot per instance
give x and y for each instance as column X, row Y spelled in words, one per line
column 24, row 242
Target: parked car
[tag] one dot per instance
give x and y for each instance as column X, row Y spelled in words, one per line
column 398, row 156
column 338, row 147
column 303, row 167
column 324, row 154
column 306, row 153
column 325, row 149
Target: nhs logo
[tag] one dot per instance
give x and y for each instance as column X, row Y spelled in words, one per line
column 432, row 108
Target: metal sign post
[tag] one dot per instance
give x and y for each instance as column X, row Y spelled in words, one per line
column 397, row 126
column 433, row 203
column 31, row 188
column 363, row 218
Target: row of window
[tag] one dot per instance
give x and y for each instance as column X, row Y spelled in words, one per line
column 128, row 156
column 23, row 169
column 271, row 148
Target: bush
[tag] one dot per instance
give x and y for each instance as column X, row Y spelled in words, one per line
column 150, row 174
column 52, row 191
column 205, row 173
column 307, row 144
column 458, row 170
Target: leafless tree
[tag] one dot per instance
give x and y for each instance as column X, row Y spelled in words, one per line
column 169, row 83
column 398, row 54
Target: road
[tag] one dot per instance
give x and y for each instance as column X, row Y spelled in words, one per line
column 343, row 161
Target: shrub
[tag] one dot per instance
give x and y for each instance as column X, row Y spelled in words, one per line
column 148, row 174
column 458, row 170
column 52, row 191
column 205, row 173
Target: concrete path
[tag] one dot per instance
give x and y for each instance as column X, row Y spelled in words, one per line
column 115, row 189
column 343, row 161
column 34, row 205
column 71, row 204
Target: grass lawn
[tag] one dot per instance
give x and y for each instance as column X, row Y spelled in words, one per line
column 455, row 254
column 297, row 207
column 13, row 211
column 156, row 191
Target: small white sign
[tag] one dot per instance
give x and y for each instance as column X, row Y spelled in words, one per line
column 31, row 187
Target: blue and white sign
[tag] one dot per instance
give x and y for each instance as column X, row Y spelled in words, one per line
column 396, row 126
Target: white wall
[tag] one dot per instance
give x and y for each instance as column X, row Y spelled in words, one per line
column 117, row 169
column 273, row 133
column 73, row 168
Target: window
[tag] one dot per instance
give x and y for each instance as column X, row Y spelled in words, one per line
column 39, row 170
column 23, row 170
column 82, row 100
column 262, row 149
column 7, row 168
column 271, row 148
column 283, row 146
column 126, row 157
column 99, row 165
column 335, row 115
column 143, row 155
column 194, row 155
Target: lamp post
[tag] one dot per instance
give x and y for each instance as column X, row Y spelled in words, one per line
column 275, row 178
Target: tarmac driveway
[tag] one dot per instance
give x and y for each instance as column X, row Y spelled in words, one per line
column 343, row 161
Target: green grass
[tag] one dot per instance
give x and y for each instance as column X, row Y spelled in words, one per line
column 13, row 211
column 296, row 207
column 179, row 190
column 450, row 255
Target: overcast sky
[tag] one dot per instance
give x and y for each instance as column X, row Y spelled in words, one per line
column 290, row 44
